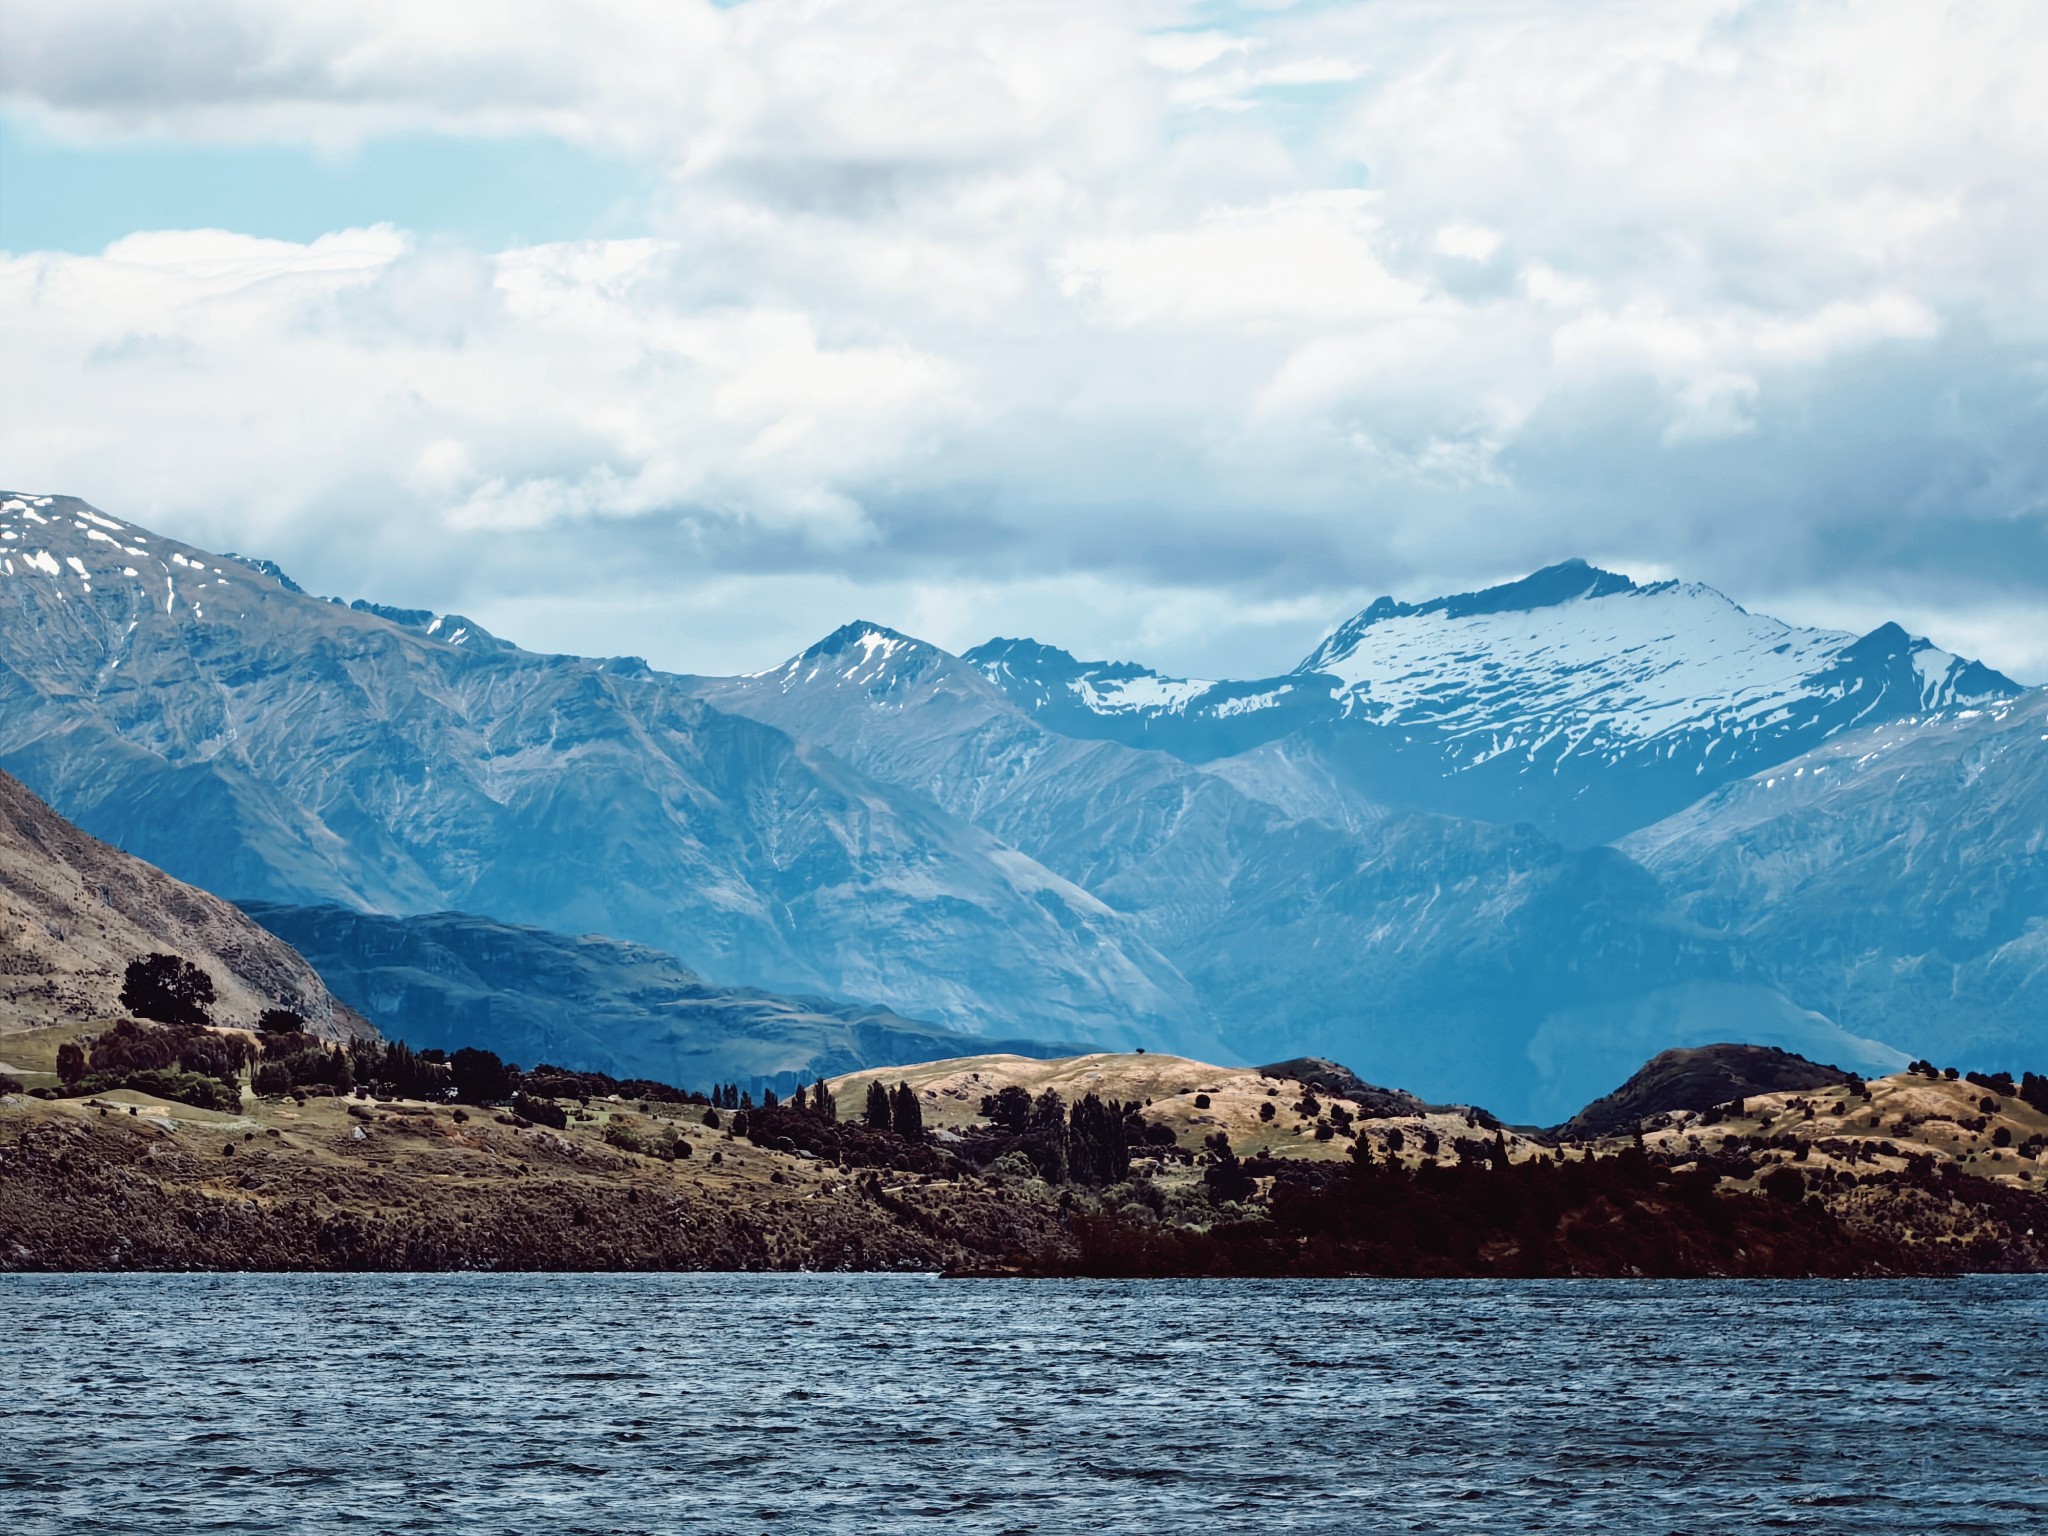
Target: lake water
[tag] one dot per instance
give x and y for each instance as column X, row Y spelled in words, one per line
column 568, row 1404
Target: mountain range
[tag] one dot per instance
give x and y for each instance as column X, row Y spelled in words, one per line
column 1499, row 847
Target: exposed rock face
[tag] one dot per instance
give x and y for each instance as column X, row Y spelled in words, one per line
column 74, row 912
column 451, row 979
column 1700, row 1078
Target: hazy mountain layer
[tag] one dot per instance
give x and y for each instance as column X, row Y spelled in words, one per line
column 881, row 820
column 451, row 979
column 1470, row 960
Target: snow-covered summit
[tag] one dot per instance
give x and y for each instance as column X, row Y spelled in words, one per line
column 113, row 576
column 1107, row 687
column 862, row 655
column 1567, row 581
column 1575, row 697
column 1575, row 658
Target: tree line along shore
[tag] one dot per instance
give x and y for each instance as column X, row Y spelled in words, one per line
column 162, row 1142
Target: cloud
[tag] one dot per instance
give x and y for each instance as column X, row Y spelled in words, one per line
column 1176, row 310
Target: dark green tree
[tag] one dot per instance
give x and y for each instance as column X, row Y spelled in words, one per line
column 479, row 1076
column 281, row 1021
column 1010, row 1108
column 1099, row 1150
column 906, row 1115
column 823, row 1105
column 880, row 1113
column 1225, row 1177
column 169, row 989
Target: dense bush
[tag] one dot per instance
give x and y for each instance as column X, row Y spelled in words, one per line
column 849, row 1143
column 1784, row 1184
column 1616, row 1215
column 132, row 1047
column 1089, row 1143
column 562, row 1083
column 540, row 1111
column 198, row 1089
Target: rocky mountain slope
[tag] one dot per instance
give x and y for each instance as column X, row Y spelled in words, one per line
column 266, row 744
column 1895, row 878
column 1574, row 698
column 74, row 912
column 589, row 1003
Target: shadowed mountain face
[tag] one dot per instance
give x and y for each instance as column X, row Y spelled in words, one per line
column 1573, row 699
column 1700, row 1079
column 266, row 744
column 450, row 979
column 74, row 912
column 1895, row 878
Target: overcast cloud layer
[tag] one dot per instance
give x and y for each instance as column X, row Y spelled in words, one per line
column 1152, row 329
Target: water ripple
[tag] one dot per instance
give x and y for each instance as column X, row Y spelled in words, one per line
column 619, row 1405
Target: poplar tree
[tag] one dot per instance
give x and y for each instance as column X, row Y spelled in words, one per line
column 908, row 1115
column 880, row 1115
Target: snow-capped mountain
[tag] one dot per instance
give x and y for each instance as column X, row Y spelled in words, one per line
column 1575, row 698
column 262, row 743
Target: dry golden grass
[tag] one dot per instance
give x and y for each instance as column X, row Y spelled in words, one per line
column 1909, row 1115
column 1167, row 1088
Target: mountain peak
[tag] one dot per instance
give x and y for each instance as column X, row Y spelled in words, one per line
column 996, row 652
column 1551, row 587
column 865, row 653
column 861, row 634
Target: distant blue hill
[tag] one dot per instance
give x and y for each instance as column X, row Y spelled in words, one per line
column 451, row 979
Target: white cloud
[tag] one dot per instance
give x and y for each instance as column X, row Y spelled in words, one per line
column 1278, row 306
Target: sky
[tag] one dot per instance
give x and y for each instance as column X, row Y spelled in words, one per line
column 1173, row 332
